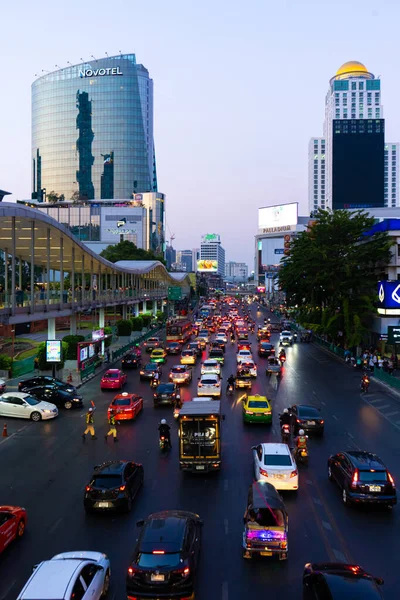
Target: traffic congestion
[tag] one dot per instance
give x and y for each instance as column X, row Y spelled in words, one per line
column 222, row 456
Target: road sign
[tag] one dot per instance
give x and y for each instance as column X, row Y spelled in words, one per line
column 393, row 334
column 174, row 293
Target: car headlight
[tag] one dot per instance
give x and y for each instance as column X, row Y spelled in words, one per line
column 76, row 400
column 46, row 410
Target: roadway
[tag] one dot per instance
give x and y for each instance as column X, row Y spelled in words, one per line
column 45, row 467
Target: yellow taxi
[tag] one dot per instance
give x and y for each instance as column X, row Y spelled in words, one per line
column 188, row 357
column 256, row 409
column 158, row 355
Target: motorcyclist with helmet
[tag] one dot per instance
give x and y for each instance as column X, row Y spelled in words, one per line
column 285, row 418
column 230, row 382
column 300, row 442
column 165, row 431
column 282, row 355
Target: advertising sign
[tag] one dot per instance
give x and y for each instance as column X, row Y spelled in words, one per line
column 83, row 354
column 389, row 297
column 277, row 218
column 393, row 336
column 97, row 335
column 91, row 350
column 279, row 250
column 261, row 289
column 207, row 266
column 53, row 351
column 211, row 237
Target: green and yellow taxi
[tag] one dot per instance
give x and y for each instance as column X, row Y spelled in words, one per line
column 158, row 355
column 256, row 409
column 188, row 357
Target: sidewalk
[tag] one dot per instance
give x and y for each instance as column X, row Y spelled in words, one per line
column 42, row 336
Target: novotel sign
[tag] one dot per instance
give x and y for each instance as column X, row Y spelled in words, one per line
column 100, row 72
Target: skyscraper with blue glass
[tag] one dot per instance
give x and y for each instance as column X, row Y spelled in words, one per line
column 92, row 131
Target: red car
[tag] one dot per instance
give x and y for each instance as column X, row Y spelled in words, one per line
column 12, row 525
column 113, row 379
column 126, row 407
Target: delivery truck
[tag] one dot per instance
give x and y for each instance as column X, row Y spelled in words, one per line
column 200, row 436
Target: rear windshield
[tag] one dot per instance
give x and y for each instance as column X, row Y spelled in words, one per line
column 122, row 402
column 366, row 476
column 216, row 353
column 159, row 560
column 178, row 369
column 187, row 353
column 352, row 587
column 209, row 381
column 111, row 375
column 107, row 481
column 267, row 346
column 277, row 460
column 151, row 367
column 308, row 412
column 166, row 387
column 258, row 404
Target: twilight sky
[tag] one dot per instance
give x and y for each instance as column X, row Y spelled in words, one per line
column 239, row 90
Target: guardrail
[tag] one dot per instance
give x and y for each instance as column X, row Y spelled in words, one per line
column 329, row 346
column 22, row 367
column 88, row 373
column 386, row 378
column 116, row 354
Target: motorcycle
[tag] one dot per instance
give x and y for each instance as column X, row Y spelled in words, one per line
column 365, row 384
column 230, row 389
column 301, row 456
column 153, row 383
column 163, row 443
column 282, row 358
column 232, row 341
column 285, row 433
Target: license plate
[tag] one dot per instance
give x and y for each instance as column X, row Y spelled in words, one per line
column 200, row 467
column 104, row 504
column 154, row 577
column 165, row 396
column 374, row 488
column 310, row 422
column 278, row 476
column 266, row 553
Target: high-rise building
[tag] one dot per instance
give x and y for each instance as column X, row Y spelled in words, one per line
column 170, row 256
column 185, row 258
column 347, row 164
column 195, row 258
column 212, row 255
column 236, row 271
column 92, row 131
column 391, row 173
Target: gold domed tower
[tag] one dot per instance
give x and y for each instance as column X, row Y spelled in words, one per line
column 353, row 69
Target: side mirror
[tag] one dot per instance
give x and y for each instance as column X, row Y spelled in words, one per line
column 254, row 448
column 100, row 568
column 379, row 580
column 140, row 523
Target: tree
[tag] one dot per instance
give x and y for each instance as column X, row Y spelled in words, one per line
column 128, row 251
column 331, row 273
column 53, row 197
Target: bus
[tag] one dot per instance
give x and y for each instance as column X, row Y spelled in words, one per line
column 180, row 330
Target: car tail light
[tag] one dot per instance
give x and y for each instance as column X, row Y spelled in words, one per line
column 249, row 412
column 158, row 552
column 263, row 472
column 132, row 571
column 322, row 421
column 162, row 439
column 268, row 412
column 200, row 385
column 122, row 488
column 217, row 384
column 88, row 488
column 391, row 479
column 298, row 421
column 354, row 480
column 293, row 474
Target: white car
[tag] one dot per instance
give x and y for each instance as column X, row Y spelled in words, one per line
column 250, row 365
column 274, row 463
column 211, row 366
column 286, row 336
column 209, row 385
column 82, row 574
column 244, row 355
column 25, row 406
column 221, row 337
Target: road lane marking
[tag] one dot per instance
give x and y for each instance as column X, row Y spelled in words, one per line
column 225, row 594
column 395, row 412
column 317, row 501
column 382, row 407
column 5, row 595
column 323, row 403
column 327, row 525
column 339, row 555
column 226, row 526
column 309, row 481
column 374, row 401
column 55, row 525
column 335, row 417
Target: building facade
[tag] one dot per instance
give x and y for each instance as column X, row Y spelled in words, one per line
column 185, row 259
column 347, row 165
column 212, row 255
column 236, row 272
column 101, row 223
column 92, row 131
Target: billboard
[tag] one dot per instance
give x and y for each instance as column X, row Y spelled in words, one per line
column 277, row 218
column 53, row 351
column 388, row 297
column 207, row 266
column 210, row 237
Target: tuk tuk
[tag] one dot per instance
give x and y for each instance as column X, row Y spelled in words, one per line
column 274, row 366
column 243, row 378
column 265, row 523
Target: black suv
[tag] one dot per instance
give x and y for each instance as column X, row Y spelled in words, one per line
column 58, row 396
column 196, row 346
column 132, row 360
column 165, row 559
column 334, row 580
column 363, row 478
column 114, row 485
column 173, row 347
column 266, row 349
column 40, row 380
column 166, row 393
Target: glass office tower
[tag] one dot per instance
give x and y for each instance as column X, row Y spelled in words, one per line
column 92, row 131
